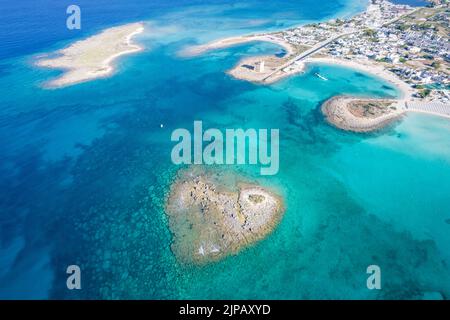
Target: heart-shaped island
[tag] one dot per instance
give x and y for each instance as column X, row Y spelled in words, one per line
column 213, row 215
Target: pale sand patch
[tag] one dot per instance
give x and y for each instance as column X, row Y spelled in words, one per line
column 92, row 58
column 372, row 68
column 337, row 113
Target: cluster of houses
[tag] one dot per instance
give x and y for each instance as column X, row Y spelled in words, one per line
column 442, row 96
column 378, row 13
column 417, row 53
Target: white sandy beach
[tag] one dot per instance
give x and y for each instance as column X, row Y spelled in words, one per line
column 92, row 58
column 233, row 41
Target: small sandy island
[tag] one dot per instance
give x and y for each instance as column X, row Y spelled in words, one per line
column 361, row 115
column 214, row 215
column 92, row 58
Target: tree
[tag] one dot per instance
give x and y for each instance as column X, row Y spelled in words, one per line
column 424, row 92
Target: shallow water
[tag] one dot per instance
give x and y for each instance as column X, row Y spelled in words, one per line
column 85, row 169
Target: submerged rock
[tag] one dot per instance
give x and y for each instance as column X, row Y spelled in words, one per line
column 212, row 215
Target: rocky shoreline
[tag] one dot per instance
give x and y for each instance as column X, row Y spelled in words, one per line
column 361, row 114
column 214, row 215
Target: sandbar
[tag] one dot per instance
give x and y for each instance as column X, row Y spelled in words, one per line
column 92, row 58
column 214, row 215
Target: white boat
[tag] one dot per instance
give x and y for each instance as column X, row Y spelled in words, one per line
column 320, row 76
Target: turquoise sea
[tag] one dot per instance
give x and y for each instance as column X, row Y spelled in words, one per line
column 84, row 170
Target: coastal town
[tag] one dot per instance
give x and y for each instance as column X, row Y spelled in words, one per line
column 219, row 213
column 225, row 150
column 410, row 42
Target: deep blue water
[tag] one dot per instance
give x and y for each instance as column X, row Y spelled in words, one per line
column 84, row 170
column 31, row 25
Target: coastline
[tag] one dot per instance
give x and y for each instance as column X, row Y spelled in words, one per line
column 92, row 58
column 366, row 66
column 371, row 68
column 361, row 114
column 87, row 173
column 214, row 215
column 266, row 69
column 358, row 8
column 223, row 43
column 244, row 69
